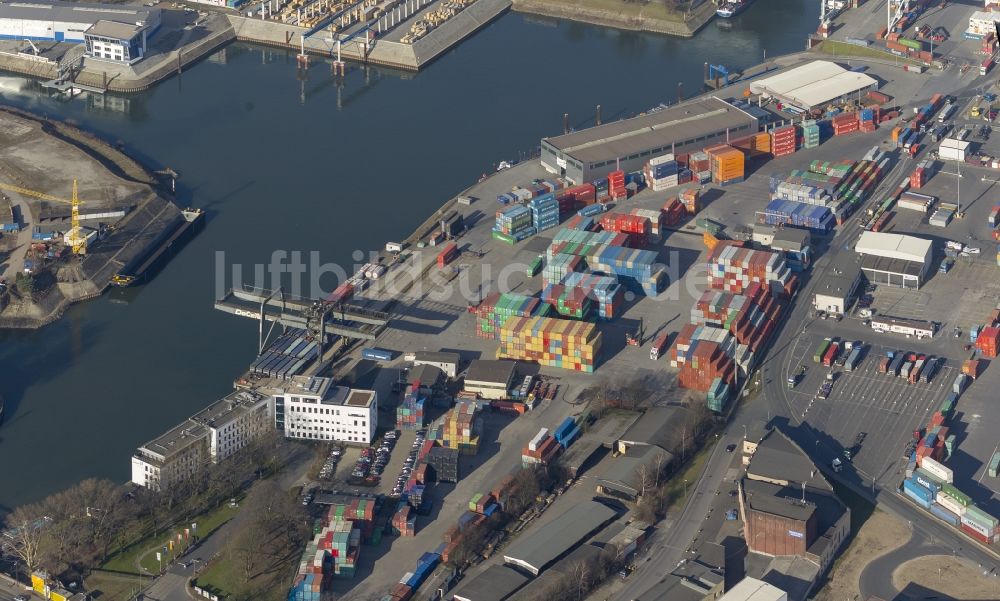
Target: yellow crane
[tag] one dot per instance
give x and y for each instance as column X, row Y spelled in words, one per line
column 76, row 239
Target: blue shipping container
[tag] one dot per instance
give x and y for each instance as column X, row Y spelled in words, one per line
column 376, row 354
column 918, row 493
column 945, row 515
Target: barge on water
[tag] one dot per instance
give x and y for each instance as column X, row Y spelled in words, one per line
column 145, row 263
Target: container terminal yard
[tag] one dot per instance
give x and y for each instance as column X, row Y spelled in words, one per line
column 820, row 240
column 695, row 251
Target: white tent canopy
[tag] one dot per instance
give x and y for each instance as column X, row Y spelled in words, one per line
column 813, row 84
column 894, row 246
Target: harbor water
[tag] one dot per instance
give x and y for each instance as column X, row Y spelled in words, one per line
column 284, row 162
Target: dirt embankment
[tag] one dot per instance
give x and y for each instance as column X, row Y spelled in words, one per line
column 879, row 535
column 623, row 15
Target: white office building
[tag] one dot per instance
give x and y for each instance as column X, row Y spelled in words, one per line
column 210, row 436
column 312, row 408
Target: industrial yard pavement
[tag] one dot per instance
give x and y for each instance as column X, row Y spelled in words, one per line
column 955, row 578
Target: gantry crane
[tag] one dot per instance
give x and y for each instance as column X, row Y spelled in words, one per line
column 76, row 239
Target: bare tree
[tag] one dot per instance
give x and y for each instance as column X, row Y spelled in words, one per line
column 645, row 476
column 27, row 525
column 660, row 462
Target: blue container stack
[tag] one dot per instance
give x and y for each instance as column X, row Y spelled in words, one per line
column 590, row 211
column 634, row 268
column 602, row 289
column 798, row 214
column 544, row 212
column 919, row 494
column 662, row 172
column 515, row 221
column 567, row 432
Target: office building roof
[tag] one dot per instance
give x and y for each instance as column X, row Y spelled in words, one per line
column 113, row 29
column 884, row 264
column 791, row 239
column 840, row 276
column 72, row 12
column 177, row 439
column 678, row 124
column 813, row 84
column 751, row 589
column 496, row 583
column 490, row 371
column 771, row 498
column 536, row 550
column 228, row 409
column 894, row 246
column 360, row 398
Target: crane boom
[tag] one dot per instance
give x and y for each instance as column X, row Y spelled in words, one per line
column 77, row 240
column 32, row 193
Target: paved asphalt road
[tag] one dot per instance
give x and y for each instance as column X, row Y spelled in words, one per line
column 8, row 591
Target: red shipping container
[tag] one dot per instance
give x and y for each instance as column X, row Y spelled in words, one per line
column 974, row 534
column 447, row 255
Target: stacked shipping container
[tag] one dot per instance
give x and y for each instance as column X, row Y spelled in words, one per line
column 496, row 308
column 662, row 172
column 727, row 164
column 545, row 212
column 552, row 342
column 459, row 428
column 733, row 269
column 410, row 411
column 783, row 141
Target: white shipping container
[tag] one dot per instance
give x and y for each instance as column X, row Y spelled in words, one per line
column 914, row 205
column 977, row 527
column 944, row 500
column 937, row 469
column 537, row 440
column 951, row 154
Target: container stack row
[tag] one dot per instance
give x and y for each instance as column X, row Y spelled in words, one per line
column 544, row 212
column 543, row 448
column 691, row 199
column 783, row 141
column 913, row 201
column 637, row 226
column 788, row 212
column 514, row 222
column 404, row 520
column 700, row 166
column 561, row 265
column 673, row 211
column 568, row 301
column 410, row 411
column 845, row 123
column 459, row 427
column 703, row 354
column 655, row 218
column 575, row 198
column 810, row 134
column 521, row 194
column 661, row 173
column 605, row 291
column 496, row 308
column 616, row 185
column 287, row 356
column 581, row 222
column 567, row 432
column 994, row 217
column 733, row 268
column 750, row 318
column 727, row 164
column 552, row 342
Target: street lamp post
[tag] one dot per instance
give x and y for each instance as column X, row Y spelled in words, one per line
column 685, row 489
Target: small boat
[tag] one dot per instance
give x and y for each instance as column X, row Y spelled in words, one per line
column 730, row 8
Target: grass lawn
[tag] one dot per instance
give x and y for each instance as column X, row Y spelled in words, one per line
column 112, row 587
column 674, row 488
column 224, row 576
column 126, row 560
column 844, row 49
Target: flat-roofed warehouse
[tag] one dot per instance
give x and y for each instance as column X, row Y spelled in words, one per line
column 67, row 21
column 813, row 85
column 894, row 259
column 628, row 144
column 533, row 552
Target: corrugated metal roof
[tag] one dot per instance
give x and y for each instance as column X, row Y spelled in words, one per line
column 813, row 84
column 539, row 549
column 675, row 124
column 491, row 371
column 894, row 246
column 113, row 29
column 496, row 583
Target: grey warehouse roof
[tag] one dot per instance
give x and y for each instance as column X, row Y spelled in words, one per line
column 622, row 474
column 72, row 12
column 491, row 371
column 539, row 549
column 778, row 458
column 654, row 427
column 675, row 124
column 437, row 356
column 887, row 265
column 497, row 583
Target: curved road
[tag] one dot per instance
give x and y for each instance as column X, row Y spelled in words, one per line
column 876, row 578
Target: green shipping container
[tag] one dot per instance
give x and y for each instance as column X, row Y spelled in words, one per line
column 960, row 497
column 535, row 267
column 821, row 350
column 502, row 237
column 994, row 465
column 914, row 44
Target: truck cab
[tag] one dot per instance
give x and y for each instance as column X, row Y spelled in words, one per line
column 837, row 464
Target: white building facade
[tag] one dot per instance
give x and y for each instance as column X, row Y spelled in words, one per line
column 312, row 408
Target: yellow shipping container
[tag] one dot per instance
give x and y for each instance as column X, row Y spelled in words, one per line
column 38, row 583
